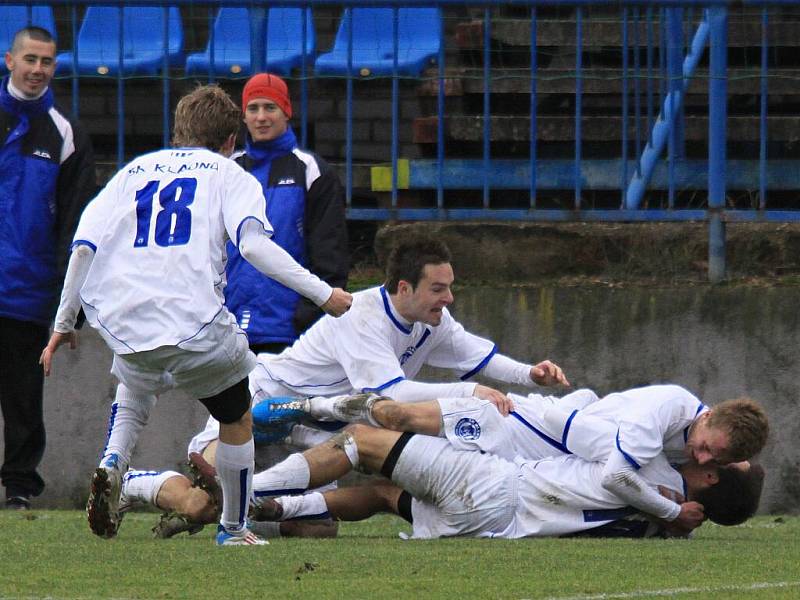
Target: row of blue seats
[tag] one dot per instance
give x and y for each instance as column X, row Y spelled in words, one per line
column 143, row 44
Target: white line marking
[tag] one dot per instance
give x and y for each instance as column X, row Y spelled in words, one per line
column 686, row 590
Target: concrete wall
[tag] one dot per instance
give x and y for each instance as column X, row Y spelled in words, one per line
column 720, row 342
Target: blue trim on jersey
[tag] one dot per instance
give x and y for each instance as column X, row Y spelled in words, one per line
column 542, row 435
column 481, row 364
column 685, row 488
column 99, row 322
column 283, row 492
column 424, row 337
column 245, row 220
column 627, row 456
column 329, row 426
column 388, row 308
column 686, row 431
column 196, row 333
column 243, row 498
column 320, row 516
column 608, row 514
column 83, row 243
column 566, row 427
column 383, row 385
column 299, row 385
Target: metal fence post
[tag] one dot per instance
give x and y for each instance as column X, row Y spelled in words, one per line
column 717, row 98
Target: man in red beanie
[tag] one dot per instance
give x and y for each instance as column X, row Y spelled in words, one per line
column 305, row 204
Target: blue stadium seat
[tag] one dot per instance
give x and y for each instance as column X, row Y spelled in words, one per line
column 284, row 46
column 143, row 47
column 373, row 46
column 14, row 18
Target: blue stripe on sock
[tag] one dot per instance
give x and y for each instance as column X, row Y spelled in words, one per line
column 243, row 499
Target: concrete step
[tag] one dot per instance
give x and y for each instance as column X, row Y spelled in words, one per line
column 742, row 33
column 469, row 128
column 460, row 81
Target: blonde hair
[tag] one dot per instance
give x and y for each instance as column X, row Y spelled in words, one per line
column 746, row 424
column 206, row 117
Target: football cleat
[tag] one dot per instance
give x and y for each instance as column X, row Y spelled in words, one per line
column 171, row 524
column 271, row 411
column 204, row 475
column 102, row 509
column 245, row 537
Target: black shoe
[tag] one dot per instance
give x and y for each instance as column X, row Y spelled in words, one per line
column 18, row 503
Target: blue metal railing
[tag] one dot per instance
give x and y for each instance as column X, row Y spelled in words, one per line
column 653, row 161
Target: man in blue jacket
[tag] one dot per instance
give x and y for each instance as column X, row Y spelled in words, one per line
column 46, row 178
column 305, row 204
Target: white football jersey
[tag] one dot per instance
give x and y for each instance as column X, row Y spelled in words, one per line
column 563, row 494
column 159, row 229
column 371, row 347
column 646, row 421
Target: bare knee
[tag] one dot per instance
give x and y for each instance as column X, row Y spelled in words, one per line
column 392, row 415
column 198, row 506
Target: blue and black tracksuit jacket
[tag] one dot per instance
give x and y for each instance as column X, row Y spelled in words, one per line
column 305, row 206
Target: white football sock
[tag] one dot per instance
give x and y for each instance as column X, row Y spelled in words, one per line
column 129, row 414
column 321, row 407
column 290, row 476
column 235, row 470
column 306, row 437
column 307, row 506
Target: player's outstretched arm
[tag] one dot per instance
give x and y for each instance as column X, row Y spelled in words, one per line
column 64, row 327
column 273, row 261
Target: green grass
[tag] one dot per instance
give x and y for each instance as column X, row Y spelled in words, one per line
column 51, row 554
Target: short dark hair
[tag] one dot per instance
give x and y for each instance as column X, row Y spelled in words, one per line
column 33, row 32
column 205, row 117
column 410, row 255
column 735, row 497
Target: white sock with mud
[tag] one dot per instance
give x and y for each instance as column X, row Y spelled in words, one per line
column 307, row 506
column 235, row 466
column 350, row 409
column 290, row 476
column 129, row 414
column 142, row 487
column 306, row 437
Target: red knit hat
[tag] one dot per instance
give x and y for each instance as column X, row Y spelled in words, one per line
column 267, row 85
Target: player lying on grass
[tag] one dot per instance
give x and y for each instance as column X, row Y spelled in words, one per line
column 444, row 491
column 624, row 430
column 145, row 266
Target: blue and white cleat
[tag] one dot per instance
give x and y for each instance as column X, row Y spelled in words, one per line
column 245, row 537
column 271, row 411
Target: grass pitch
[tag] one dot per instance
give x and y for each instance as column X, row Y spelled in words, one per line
column 52, row 554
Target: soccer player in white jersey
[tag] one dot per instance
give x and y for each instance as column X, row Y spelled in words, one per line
column 444, row 491
column 148, row 266
column 625, row 430
column 390, row 333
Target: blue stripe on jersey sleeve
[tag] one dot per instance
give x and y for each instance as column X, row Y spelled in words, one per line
column 481, row 364
column 245, row 220
column 627, row 456
column 541, row 434
column 383, row 385
column 77, row 243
